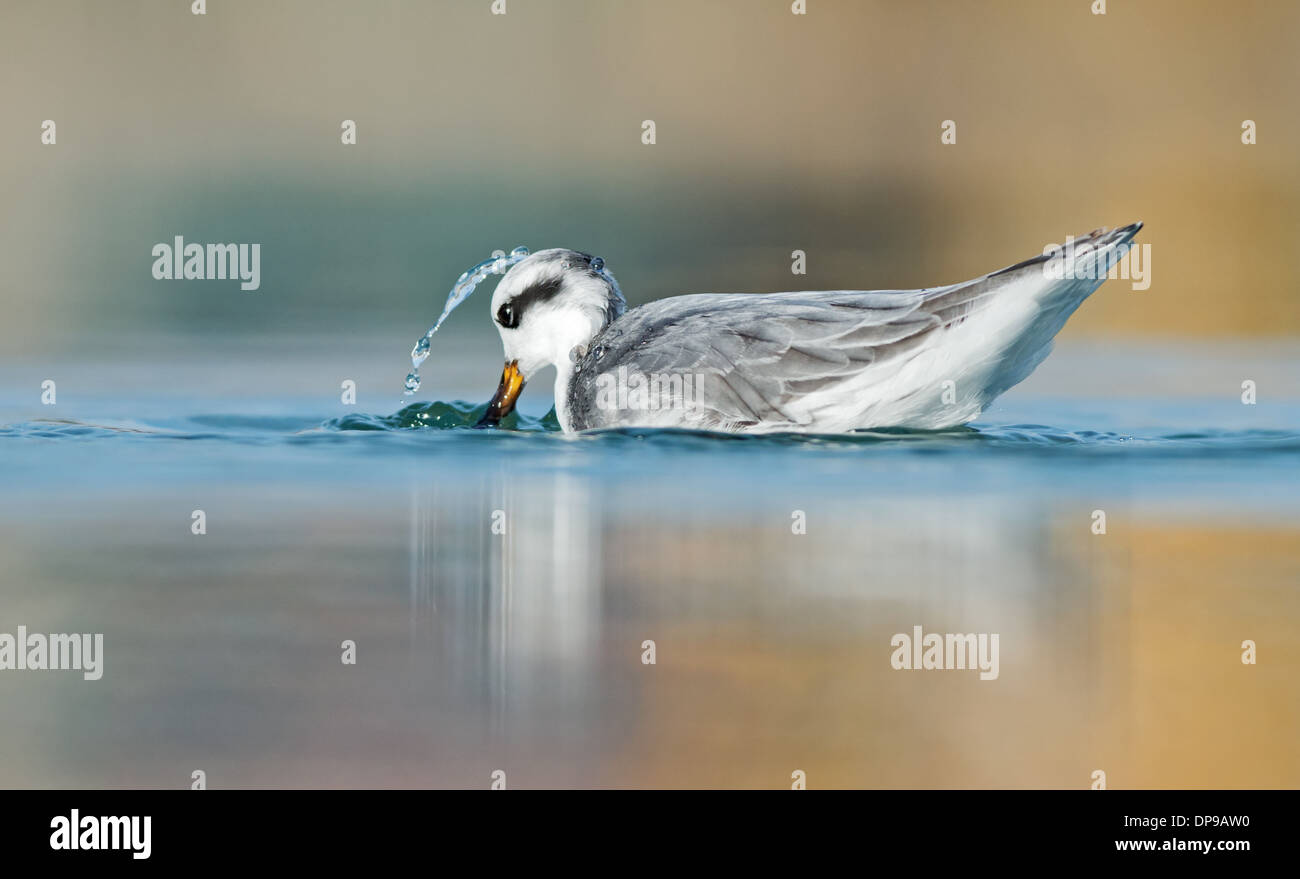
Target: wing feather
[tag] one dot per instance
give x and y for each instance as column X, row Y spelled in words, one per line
column 756, row 353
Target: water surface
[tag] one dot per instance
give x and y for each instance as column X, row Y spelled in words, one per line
column 523, row 650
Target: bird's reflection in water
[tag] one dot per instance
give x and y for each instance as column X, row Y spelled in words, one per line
column 499, row 614
column 505, row 588
column 531, row 595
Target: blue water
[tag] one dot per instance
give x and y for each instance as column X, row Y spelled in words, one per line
column 522, row 649
column 418, row 426
column 1253, row 465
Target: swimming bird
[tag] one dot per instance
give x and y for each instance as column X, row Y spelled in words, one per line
column 811, row 362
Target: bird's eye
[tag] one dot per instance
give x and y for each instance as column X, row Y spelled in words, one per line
column 506, row 316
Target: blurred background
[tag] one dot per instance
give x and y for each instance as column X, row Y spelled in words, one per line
column 774, row 132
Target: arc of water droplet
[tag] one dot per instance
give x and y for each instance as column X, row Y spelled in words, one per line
column 465, row 284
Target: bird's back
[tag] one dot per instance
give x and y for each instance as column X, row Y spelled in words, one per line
column 830, row 361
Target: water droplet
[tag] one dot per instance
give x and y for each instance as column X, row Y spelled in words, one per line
column 598, row 352
column 496, row 264
column 597, row 264
column 577, row 352
column 420, row 352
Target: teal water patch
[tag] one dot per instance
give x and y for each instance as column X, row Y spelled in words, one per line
column 456, row 421
column 438, row 415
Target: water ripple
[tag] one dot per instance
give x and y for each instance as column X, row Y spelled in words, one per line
column 454, row 421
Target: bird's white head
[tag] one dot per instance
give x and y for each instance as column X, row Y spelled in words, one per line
column 547, row 305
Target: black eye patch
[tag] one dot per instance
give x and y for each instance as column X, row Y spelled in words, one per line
column 511, row 313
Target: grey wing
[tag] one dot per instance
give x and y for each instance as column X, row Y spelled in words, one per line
column 759, row 352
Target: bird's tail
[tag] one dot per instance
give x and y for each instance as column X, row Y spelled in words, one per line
column 1088, row 258
column 1004, row 323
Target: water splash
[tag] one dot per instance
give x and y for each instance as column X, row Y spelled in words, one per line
column 439, row 415
column 497, row 264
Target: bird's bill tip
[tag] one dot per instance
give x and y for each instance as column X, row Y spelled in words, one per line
column 503, row 402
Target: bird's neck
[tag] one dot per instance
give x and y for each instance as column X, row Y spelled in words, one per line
column 563, row 375
column 578, row 333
